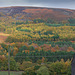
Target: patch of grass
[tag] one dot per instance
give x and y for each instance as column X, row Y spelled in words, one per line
column 11, row 72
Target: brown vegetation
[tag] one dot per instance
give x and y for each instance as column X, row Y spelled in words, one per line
column 3, row 37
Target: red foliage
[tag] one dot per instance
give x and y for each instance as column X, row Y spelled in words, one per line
column 45, row 47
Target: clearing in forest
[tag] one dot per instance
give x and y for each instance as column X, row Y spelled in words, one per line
column 3, row 37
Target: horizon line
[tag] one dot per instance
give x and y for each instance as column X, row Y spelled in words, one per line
column 35, row 6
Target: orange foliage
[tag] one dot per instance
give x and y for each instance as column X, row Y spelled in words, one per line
column 43, row 59
column 26, row 51
column 53, row 50
column 73, row 41
column 45, row 47
column 1, row 47
column 12, row 44
column 70, row 49
column 56, row 48
column 38, row 10
column 35, row 46
column 2, row 57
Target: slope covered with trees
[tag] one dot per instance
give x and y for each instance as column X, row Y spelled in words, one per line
column 38, row 40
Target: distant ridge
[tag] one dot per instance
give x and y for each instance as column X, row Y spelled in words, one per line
column 30, row 12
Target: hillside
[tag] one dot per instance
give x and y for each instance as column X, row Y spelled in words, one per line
column 37, row 39
column 37, row 23
column 24, row 13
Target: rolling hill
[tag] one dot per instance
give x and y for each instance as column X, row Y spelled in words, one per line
column 24, row 13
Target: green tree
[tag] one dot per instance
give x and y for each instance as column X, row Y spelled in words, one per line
column 56, row 36
column 43, row 70
column 13, row 64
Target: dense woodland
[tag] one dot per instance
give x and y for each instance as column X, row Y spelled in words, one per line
column 37, row 46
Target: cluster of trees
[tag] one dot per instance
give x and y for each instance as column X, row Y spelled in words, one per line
column 37, row 29
column 33, row 52
column 57, row 68
column 37, row 46
column 4, row 63
column 33, row 61
column 43, row 21
column 43, row 68
column 40, row 32
column 49, row 56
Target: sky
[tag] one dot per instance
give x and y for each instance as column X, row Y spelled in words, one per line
column 70, row 4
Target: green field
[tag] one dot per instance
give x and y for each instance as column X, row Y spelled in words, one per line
column 11, row 73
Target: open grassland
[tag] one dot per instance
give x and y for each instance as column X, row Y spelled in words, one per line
column 11, row 73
